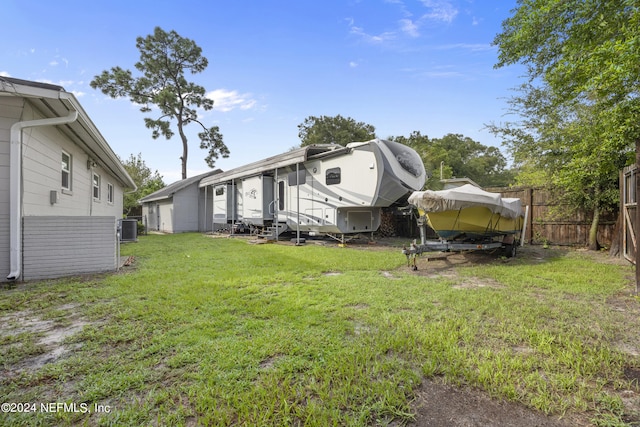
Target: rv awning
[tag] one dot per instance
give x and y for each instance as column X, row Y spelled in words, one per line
column 289, row 158
column 465, row 196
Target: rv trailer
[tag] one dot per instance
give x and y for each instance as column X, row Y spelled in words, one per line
column 324, row 189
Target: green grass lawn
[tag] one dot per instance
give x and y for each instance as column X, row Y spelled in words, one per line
column 217, row 331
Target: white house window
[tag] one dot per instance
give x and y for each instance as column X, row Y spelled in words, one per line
column 66, row 171
column 96, row 186
column 109, row 193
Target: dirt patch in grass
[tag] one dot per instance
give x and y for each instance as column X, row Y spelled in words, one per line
column 439, row 404
column 49, row 337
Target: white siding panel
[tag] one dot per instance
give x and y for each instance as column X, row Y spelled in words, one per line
column 42, row 157
column 56, row 246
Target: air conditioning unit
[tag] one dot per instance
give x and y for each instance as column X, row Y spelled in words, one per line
column 128, row 230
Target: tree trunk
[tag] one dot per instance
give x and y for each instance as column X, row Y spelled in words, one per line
column 185, row 149
column 593, row 231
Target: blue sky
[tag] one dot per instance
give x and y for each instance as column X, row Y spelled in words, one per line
column 399, row 65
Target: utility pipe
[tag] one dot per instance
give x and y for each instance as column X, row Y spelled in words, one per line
column 15, row 186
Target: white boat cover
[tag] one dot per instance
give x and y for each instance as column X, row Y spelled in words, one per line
column 465, row 196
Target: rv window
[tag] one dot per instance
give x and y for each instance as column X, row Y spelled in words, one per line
column 281, row 195
column 219, row 191
column 302, row 177
column 333, row 176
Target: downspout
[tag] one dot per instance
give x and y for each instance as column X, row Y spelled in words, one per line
column 15, row 186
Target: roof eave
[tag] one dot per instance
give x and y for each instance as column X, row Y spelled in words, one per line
column 59, row 103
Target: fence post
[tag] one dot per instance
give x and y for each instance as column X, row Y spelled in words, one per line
column 529, row 198
column 637, row 219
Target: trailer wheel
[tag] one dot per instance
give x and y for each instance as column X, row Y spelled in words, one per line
column 510, row 249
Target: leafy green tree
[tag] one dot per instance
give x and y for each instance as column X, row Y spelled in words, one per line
column 459, row 156
column 561, row 146
column 333, row 130
column 578, row 111
column 146, row 181
column 164, row 58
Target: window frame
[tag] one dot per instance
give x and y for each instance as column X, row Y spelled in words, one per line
column 68, row 171
column 333, row 176
column 110, row 193
column 96, row 186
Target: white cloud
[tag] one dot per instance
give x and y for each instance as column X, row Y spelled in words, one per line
column 370, row 38
column 409, row 27
column 227, row 100
column 440, row 10
column 4, row 74
column 353, row 64
column 55, row 62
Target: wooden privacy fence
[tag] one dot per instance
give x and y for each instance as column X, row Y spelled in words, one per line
column 549, row 223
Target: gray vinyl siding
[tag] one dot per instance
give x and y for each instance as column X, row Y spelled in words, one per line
column 57, row 246
column 185, row 209
column 179, row 213
column 205, row 210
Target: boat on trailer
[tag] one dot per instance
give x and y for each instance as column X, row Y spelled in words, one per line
column 324, row 189
column 467, row 218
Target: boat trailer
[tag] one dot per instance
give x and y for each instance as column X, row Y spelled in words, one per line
column 508, row 242
column 441, row 245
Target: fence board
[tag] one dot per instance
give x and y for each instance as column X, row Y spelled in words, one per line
column 551, row 222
